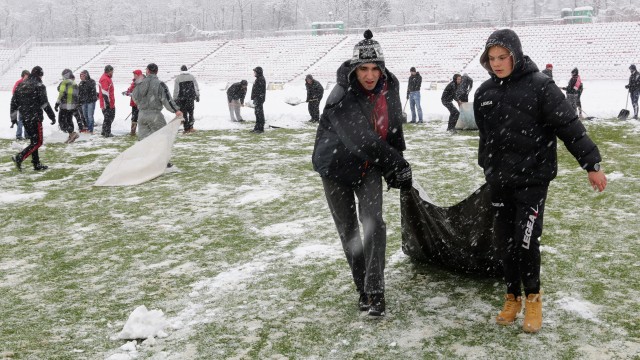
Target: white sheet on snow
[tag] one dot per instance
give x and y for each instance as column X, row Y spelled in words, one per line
column 144, row 161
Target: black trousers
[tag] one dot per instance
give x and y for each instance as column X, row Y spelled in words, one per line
column 109, row 115
column 259, row 111
column 134, row 114
column 65, row 120
column 79, row 115
column 187, row 106
column 34, row 129
column 518, row 227
column 453, row 115
column 366, row 255
column 314, row 110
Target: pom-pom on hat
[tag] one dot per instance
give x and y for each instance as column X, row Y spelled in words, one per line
column 368, row 51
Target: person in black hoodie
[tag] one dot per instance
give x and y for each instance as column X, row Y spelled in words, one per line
column 520, row 114
column 88, row 97
column 235, row 98
column 258, row 96
column 30, row 99
column 449, row 94
column 358, row 142
column 315, row 91
column 413, row 94
column 634, row 89
column 574, row 90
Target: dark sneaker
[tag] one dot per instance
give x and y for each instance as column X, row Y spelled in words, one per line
column 16, row 160
column 376, row 305
column 363, row 302
column 169, row 165
column 39, row 167
column 240, row 120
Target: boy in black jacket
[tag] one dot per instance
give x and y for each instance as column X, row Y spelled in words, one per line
column 315, row 91
column 520, row 114
column 360, row 141
column 30, row 99
column 258, row 96
column 449, row 94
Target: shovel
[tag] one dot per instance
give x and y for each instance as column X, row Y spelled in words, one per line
column 404, row 113
column 624, row 113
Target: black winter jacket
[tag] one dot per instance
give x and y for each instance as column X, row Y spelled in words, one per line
column 315, row 91
column 259, row 90
column 415, row 82
column 548, row 72
column 466, row 84
column 236, row 92
column 87, row 91
column 346, row 142
column 571, row 87
column 520, row 118
column 450, row 93
column 30, row 98
column 634, row 81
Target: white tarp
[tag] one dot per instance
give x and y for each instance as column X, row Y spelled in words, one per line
column 466, row 120
column 145, row 160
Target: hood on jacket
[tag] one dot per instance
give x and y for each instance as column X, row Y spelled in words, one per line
column 509, row 40
column 258, row 71
column 86, row 74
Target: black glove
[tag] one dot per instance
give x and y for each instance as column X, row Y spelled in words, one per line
column 56, row 107
column 197, row 98
column 53, row 120
column 13, row 122
column 626, row 86
column 400, row 179
column 124, row 93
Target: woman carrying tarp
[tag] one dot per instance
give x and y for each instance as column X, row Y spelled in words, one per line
column 520, row 112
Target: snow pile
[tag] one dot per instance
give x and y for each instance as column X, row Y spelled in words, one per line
column 293, row 100
column 143, row 324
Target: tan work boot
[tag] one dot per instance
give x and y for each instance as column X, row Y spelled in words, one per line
column 532, row 313
column 510, row 311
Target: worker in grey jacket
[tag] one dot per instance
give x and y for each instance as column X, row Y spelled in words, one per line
column 151, row 95
column 185, row 91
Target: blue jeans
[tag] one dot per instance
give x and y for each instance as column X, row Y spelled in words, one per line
column 19, row 130
column 87, row 110
column 414, row 101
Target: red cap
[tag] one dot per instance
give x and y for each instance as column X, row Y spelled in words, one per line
column 137, row 72
column 550, row 66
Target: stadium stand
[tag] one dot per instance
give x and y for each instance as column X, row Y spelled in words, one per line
column 599, row 50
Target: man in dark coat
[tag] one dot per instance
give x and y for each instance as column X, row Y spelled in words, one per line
column 548, row 70
column 315, row 91
column 258, row 96
column 574, row 90
column 358, row 143
column 634, row 89
column 464, row 89
column 449, row 94
column 30, row 99
column 185, row 92
column 88, row 97
column 520, row 114
column 413, row 94
column 235, row 98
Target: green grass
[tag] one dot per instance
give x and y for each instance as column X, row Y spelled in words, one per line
column 239, row 250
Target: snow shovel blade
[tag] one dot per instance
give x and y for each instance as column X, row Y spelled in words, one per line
column 623, row 115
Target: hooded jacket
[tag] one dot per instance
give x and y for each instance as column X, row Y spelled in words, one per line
column 415, row 82
column 634, row 81
column 68, row 98
column 236, row 92
column 450, row 92
column 87, row 90
column 346, row 142
column 30, row 98
column 520, row 118
column 259, row 90
column 315, row 91
column 151, row 94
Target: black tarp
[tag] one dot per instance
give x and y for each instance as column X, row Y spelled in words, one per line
column 458, row 238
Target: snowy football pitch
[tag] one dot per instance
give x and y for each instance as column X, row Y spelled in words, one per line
column 238, row 249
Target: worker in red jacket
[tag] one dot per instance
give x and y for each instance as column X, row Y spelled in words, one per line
column 137, row 77
column 107, row 100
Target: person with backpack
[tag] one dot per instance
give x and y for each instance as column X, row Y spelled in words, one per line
column 185, row 92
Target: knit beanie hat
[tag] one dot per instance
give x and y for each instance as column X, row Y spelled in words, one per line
column 549, row 66
column 574, row 71
column 368, row 51
column 413, row 69
column 309, row 77
column 183, row 68
column 632, row 67
column 244, row 83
